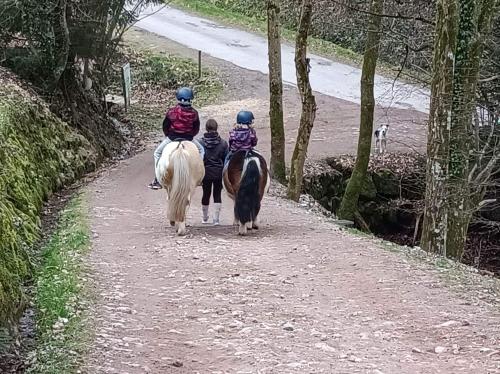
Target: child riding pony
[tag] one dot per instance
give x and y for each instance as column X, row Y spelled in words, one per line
column 181, row 122
column 245, row 176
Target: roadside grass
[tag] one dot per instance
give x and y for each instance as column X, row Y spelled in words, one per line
column 316, row 45
column 62, row 300
column 170, row 72
column 155, row 78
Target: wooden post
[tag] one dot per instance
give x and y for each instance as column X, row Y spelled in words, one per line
column 199, row 64
column 127, row 84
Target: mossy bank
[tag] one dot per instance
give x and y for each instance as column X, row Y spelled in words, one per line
column 38, row 155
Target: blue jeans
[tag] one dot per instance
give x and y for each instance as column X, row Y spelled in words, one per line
column 163, row 144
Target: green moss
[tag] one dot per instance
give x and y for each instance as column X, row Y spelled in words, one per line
column 38, row 154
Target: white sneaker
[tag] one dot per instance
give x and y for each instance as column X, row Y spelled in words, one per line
column 217, row 209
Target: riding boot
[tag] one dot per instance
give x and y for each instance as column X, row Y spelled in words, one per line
column 205, row 214
column 217, row 208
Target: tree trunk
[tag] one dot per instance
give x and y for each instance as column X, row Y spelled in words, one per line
column 349, row 206
column 278, row 166
column 434, row 227
column 61, row 41
column 308, row 103
column 474, row 22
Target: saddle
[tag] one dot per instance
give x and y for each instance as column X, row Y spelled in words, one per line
column 180, row 140
column 248, row 153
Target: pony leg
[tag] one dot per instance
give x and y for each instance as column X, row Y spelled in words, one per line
column 243, row 229
column 255, row 224
column 181, row 230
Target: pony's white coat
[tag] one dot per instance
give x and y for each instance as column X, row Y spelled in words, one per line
column 180, row 170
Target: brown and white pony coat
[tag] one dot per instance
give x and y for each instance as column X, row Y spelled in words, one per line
column 246, row 180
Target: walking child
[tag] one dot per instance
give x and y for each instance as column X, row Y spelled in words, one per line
column 216, row 150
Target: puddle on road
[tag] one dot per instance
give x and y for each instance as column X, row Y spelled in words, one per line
column 213, row 25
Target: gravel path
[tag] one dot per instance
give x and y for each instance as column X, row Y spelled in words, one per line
column 298, row 296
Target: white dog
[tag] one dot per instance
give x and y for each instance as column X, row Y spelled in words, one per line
column 381, row 138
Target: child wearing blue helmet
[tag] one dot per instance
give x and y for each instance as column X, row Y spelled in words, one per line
column 243, row 135
column 181, row 122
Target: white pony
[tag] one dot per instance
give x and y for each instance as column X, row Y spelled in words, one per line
column 180, row 170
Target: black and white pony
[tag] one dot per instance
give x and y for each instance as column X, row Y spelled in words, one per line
column 246, row 179
column 381, row 138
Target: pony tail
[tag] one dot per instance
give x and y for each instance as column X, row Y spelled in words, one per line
column 247, row 200
column 179, row 192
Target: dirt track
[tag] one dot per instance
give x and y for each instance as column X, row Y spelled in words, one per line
column 217, row 303
column 298, row 296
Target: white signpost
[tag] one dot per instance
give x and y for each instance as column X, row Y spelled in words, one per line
column 127, row 84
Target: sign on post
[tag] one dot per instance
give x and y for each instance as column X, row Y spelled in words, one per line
column 127, row 84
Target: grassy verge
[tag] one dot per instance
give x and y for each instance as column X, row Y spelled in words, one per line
column 319, row 46
column 61, row 297
column 156, row 77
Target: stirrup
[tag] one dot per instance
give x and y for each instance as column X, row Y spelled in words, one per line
column 155, row 186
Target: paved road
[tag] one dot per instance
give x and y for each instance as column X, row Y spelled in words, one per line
column 249, row 51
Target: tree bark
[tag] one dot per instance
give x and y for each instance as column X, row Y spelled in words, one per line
column 349, row 206
column 278, row 166
column 434, row 227
column 308, row 103
column 61, row 41
column 474, row 23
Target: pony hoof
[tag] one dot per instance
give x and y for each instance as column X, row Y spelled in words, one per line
column 172, row 223
column 243, row 230
column 255, row 227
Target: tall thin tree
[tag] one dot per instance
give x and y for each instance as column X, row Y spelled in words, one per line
column 278, row 166
column 308, row 102
column 474, row 25
column 435, row 213
column 349, row 205
column 455, row 185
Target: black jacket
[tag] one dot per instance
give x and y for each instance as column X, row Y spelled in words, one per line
column 215, row 152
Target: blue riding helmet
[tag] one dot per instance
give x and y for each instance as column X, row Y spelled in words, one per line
column 184, row 96
column 245, row 117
